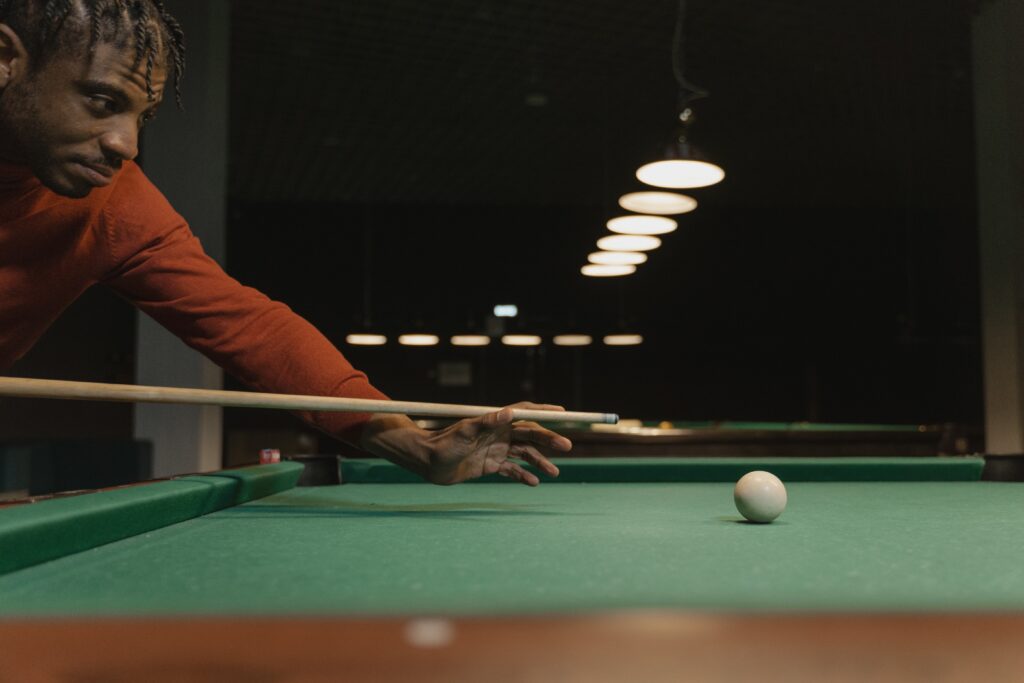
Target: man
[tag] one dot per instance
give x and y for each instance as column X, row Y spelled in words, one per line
column 78, row 80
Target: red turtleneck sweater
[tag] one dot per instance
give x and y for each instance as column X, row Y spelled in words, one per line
column 127, row 237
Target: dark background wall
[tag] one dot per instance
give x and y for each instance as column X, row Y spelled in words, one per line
column 751, row 314
column 390, row 162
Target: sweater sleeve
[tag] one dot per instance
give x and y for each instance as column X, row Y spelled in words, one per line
column 160, row 266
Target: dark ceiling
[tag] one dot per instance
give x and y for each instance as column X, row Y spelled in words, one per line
column 417, row 162
column 833, row 103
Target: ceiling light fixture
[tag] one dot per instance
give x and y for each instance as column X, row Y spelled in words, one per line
column 471, row 340
column 623, row 340
column 642, row 225
column 520, row 340
column 419, row 340
column 598, row 270
column 681, row 173
column 628, row 243
column 573, row 340
column 681, row 165
column 658, row 203
column 366, row 339
column 617, row 258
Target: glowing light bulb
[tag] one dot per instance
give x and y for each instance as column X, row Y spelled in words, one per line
column 642, row 225
column 418, row 340
column 628, row 243
column 520, row 340
column 573, row 340
column 660, row 203
column 623, row 340
column 471, row 340
column 598, row 270
column 680, row 173
column 366, row 339
column 617, row 258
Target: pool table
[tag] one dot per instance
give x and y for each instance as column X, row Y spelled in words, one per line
column 747, row 438
column 621, row 569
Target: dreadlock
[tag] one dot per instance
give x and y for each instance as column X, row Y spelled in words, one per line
column 45, row 26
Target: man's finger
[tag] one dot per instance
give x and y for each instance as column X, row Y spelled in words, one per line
column 499, row 419
column 531, row 455
column 503, row 417
column 531, row 432
column 515, row 471
column 474, row 426
column 527, row 405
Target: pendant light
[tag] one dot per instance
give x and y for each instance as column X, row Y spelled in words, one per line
column 681, row 165
column 470, row 340
column 623, row 340
column 601, row 270
column 657, row 203
column 573, row 340
column 418, row 339
column 642, row 225
column 628, row 243
column 521, row 340
column 617, row 258
column 366, row 339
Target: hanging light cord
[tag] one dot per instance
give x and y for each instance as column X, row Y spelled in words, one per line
column 688, row 91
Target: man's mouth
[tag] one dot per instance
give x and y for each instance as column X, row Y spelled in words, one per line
column 96, row 174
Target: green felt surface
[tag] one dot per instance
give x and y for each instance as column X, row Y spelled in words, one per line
column 692, row 470
column 30, row 534
column 500, row 549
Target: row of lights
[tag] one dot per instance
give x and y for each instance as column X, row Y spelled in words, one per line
column 637, row 233
column 484, row 340
column 681, row 167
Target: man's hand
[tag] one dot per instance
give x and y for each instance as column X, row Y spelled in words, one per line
column 484, row 445
column 470, row 448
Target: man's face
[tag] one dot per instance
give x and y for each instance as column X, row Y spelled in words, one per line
column 73, row 121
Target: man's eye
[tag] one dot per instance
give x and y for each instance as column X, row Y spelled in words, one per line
column 103, row 104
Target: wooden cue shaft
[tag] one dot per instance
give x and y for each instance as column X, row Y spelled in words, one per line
column 92, row 391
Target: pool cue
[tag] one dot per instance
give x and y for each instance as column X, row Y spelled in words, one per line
column 92, row 391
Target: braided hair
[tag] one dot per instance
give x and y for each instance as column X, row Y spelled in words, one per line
column 46, row 26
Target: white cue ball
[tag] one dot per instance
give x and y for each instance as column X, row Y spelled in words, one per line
column 760, row 496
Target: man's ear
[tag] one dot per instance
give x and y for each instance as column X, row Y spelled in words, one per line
column 13, row 56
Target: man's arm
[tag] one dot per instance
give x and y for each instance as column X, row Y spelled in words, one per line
column 261, row 342
column 161, row 267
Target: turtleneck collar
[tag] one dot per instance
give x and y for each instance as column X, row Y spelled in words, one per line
column 12, row 173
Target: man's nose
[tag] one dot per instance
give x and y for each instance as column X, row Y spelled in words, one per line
column 121, row 141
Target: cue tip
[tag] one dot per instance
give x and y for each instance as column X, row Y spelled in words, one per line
column 611, row 419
